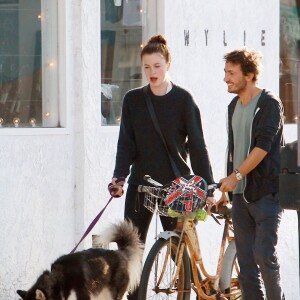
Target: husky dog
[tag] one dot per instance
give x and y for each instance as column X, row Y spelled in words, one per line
column 94, row 274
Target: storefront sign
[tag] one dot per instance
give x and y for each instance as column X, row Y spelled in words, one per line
column 206, row 35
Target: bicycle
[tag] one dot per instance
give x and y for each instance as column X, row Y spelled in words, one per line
column 174, row 267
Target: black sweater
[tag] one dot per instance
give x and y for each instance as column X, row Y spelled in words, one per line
column 140, row 146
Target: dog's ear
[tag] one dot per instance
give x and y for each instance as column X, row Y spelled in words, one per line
column 39, row 295
column 22, row 293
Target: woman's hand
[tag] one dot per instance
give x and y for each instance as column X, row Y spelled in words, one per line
column 223, row 201
column 210, row 202
column 115, row 188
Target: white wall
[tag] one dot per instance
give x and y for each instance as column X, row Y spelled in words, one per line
column 199, row 67
column 52, row 186
column 37, row 203
column 36, row 216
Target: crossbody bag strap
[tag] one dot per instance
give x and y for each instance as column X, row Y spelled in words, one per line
column 157, row 128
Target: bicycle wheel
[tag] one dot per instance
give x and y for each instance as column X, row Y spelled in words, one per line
column 229, row 283
column 161, row 279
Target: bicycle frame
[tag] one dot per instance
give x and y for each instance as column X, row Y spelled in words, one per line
column 187, row 256
column 208, row 287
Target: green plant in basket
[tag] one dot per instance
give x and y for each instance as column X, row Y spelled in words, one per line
column 199, row 214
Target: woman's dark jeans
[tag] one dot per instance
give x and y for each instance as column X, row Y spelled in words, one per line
column 141, row 218
column 256, row 234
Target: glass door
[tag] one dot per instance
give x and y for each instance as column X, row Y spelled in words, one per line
column 124, row 28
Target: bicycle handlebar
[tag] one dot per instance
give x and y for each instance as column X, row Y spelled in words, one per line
column 145, row 188
column 214, row 186
column 159, row 191
column 211, row 186
column 152, row 181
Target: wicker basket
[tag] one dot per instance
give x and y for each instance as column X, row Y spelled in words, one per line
column 154, row 201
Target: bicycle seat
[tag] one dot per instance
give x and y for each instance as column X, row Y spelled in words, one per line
column 223, row 210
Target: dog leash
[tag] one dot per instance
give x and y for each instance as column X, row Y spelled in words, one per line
column 112, row 189
column 92, row 225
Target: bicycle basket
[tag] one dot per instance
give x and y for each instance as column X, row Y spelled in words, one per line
column 153, row 201
column 187, row 194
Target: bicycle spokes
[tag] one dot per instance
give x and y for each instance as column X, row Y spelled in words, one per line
column 164, row 277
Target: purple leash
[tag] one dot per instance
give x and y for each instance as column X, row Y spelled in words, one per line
column 91, row 225
column 112, row 188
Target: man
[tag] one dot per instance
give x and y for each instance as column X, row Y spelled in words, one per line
column 255, row 124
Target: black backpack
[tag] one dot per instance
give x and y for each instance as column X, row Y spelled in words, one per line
column 289, row 177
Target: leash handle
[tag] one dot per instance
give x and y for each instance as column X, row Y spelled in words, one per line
column 91, row 226
column 115, row 188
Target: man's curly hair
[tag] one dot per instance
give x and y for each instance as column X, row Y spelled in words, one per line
column 249, row 60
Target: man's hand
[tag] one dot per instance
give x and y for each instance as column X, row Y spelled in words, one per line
column 228, row 183
column 115, row 188
column 252, row 160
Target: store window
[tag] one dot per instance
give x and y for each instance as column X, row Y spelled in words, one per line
column 125, row 25
column 289, row 56
column 28, row 64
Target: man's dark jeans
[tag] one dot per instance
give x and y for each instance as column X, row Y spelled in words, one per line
column 256, row 234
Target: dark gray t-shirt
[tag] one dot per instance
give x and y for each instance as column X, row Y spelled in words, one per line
column 241, row 126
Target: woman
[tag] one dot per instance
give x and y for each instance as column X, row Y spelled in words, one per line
column 141, row 148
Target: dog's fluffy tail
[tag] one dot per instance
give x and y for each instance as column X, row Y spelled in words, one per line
column 125, row 234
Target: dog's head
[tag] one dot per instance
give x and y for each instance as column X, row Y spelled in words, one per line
column 41, row 290
column 39, row 295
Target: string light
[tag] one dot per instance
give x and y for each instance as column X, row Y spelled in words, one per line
column 51, row 64
column 141, row 45
column 32, row 122
column 47, row 114
column 1, row 122
column 39, row 16
column 16, row 121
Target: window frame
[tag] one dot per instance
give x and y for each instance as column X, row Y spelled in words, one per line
column 62, row 80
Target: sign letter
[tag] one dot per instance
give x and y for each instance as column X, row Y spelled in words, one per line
column 206, row 33
column 224, row 38
column 263, row 37
column 186, row 37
